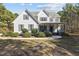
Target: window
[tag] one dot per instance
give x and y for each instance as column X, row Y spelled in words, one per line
column 21, row 26
column 43, row 19
column 31, row 26
column 56, row 20
column 42, row 28
column 25, row 17
column 51, row 19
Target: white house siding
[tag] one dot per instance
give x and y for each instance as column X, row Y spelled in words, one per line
column 42, row 14
column 19, row 20
column 56, row 20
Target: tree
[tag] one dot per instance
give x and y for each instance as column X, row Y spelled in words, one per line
column 6, row 17
column 16, row 14
column 69, row 15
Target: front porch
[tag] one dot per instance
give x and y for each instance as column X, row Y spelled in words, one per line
column 51, row 27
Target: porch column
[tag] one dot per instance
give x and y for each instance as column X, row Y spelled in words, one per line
column 47, row 27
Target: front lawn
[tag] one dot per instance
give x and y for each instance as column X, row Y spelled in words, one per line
column 26, row 47
column 70, row 43
column 9, row 47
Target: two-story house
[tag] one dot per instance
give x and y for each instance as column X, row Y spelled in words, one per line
column 42, row 20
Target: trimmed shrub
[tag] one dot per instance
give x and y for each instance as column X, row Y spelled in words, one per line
column 24, row 30
column 7, row 33
column 26, row 34
column 12, row 34
column 48, row 34
column 34, row 32
column 40, row 34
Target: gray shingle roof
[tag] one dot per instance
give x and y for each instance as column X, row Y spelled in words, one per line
column 50, row 14
column 34, row 14
column 31, row 16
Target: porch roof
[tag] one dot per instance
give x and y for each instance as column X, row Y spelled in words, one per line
column 52, row 23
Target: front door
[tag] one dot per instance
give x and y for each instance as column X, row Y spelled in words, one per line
column 51, row 29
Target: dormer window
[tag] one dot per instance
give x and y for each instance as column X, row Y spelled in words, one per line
column 43, row 19
column 25, row 17
column 56, row 20
column 51, row 19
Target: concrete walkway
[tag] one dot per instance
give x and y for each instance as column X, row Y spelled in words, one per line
column 56, row 37
column 31, row 38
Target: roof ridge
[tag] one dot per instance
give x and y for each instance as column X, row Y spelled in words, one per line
column 31, row 16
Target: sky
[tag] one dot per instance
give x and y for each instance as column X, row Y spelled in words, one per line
column 20, row 7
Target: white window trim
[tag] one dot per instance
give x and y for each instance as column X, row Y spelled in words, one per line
column 20, row 28
column 42, row 19
column 29, row 26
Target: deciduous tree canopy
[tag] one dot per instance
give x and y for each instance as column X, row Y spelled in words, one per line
column 6, row 16
column 70, row 16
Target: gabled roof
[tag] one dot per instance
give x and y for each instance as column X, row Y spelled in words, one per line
column 50, row 14
column 34, row 14
column 45, row 12
column 31, row 16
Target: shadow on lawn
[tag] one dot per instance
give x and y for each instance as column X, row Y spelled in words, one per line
column 70, row 43
column 24, row 48
column 11, row 47
column 33, row 48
